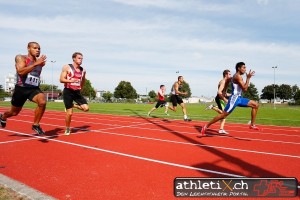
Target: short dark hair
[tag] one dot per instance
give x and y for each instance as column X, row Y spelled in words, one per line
column 31, row 43
column 225, row 72
column 75, row 54
column 239, row 65
column 161, row 86
column 179, row 77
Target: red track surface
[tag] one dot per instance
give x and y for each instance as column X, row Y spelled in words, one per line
column 119, row 157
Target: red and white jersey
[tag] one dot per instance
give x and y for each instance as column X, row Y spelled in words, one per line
column 161, row 95
column 75, row 75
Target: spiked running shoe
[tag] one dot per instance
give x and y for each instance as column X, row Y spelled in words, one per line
column 68, row 131
column 3, row 122
column 222, row 131
column 187, row 119
column 38, row 129
column 209, row 107
column 254, row 128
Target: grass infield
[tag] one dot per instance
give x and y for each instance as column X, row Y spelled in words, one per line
column 280, row 115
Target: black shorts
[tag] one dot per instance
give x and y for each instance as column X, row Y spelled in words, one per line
column 220, row 102
column 160, row 103
column 21, row 94
column 175, row 99
column 70, row 95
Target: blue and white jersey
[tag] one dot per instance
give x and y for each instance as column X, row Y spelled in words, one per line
column 236, row 89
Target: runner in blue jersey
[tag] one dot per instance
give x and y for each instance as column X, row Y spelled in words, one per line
column 236, row 99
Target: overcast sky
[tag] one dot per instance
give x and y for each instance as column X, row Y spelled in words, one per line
column 146, row 42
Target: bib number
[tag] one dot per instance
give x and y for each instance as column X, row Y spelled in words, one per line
column 32, row 80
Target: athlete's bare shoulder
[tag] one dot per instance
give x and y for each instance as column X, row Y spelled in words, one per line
column 20, row 58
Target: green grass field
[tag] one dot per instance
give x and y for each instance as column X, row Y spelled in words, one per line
column 283, row 115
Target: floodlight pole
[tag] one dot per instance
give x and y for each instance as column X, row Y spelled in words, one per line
column 52, row 61
column 274, row 87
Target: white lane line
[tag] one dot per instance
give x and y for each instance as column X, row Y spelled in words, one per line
column 132, row 156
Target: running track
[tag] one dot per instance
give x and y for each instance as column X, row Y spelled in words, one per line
column 123, row 157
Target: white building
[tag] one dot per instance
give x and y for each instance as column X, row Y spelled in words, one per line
column 10, row 81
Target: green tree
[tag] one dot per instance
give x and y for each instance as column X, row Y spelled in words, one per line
column 107, row 96
column 295, row 89
column 251, row 93
column 152, row 94
column 186, row 88
column 88, row 90
column 3, row 93
column 125, row 90
column 268, row 92
column 284, row 92
column 48, row 87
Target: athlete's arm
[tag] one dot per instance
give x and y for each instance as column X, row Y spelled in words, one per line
column 176, row 87
column 221, row 93
column 22, row 69
column 63, row 75
column 83, row 79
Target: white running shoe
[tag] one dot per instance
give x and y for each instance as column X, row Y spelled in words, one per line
column 167, row 113
column 222, row 131
column 209, row 107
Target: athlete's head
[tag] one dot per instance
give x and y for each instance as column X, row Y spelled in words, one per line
column 180, row 79
column 161, row 86
column 226, row 73
column 240, row 67
column 77, row 58
column 34, row 49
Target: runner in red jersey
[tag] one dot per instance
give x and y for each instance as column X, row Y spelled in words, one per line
column 29, row 68
column 161, row 101
column 73, row 77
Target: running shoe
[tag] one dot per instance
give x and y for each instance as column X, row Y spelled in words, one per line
column 148, row 114
column 254, row 127
column 187, row 119
column 68, row 131
column 167, row 114
column 3, row 122
column 203, row 130
column 209, row 107
column 38, row 129
column 222, row 131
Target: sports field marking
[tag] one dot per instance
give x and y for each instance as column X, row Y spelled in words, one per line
column 133, row 156
column 140, row 158
column 136, row 126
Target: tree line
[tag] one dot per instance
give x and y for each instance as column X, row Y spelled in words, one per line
column 125, row 90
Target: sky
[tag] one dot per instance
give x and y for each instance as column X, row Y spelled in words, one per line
column 151, row 42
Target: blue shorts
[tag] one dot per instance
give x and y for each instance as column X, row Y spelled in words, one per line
column 235, row 101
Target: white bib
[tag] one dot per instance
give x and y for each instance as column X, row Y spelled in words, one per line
column 32, row 80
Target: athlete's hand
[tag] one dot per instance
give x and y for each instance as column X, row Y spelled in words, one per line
column 41, row 61
column 250, row 74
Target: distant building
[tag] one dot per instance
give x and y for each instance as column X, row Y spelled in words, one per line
column 10, row 81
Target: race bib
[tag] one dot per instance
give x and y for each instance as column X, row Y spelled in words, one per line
column 32, row 80
column 75, row 84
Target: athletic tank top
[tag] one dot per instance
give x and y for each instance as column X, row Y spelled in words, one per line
column 32, row 79
column 236, row 89
column 74, row 74
column 173, row 89
column 160, row 97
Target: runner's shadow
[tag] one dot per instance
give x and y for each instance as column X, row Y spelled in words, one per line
column 52, row 134
column 212, row 169
column 84, row 128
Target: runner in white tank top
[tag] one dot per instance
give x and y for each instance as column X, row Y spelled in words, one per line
column 238, row 85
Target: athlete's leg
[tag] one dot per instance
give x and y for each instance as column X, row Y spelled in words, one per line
column 14, row 111
column 40, row 100
column 254, row 105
